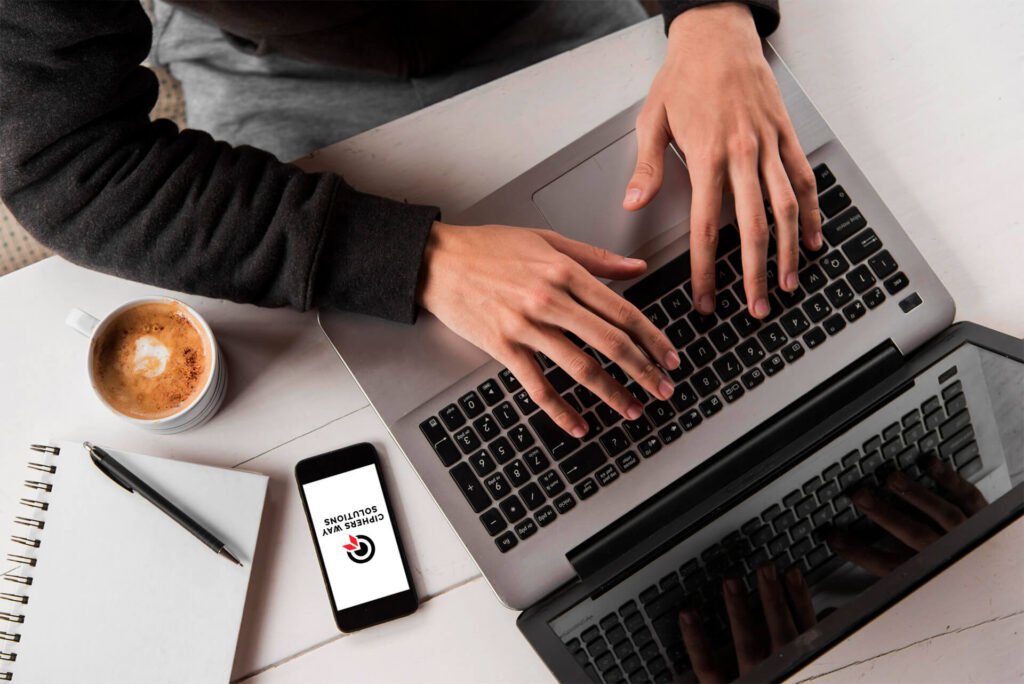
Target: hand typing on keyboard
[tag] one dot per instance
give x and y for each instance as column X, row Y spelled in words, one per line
column 925, row 517
column 785, row 619
column 516, row 291
column 716, row 97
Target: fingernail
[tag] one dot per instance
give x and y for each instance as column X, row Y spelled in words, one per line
column 733, row 586
column 791, row 282
column 633, row 412
column 687, row 617
column 707, row 304
column 633, row 195
column 864, row 500
column 665, row 389
column 633, row 262
column 816, row 241
column 767, row 571
column 671, row 360
column 898, row 482
column 579, row 431
column 761, row 307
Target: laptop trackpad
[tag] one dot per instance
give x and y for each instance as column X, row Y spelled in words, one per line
column 585, row 203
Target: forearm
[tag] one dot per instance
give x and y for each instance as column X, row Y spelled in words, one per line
column 765, row 12
column 84, row 169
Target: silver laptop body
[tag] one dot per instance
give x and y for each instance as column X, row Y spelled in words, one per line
column 409, row 373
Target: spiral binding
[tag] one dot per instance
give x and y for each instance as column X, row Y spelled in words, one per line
column 12, row 602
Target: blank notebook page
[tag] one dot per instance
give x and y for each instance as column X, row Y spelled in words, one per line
column 121, row 592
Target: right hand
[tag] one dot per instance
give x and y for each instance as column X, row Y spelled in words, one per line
column 513, row 291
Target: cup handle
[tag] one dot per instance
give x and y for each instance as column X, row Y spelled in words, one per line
column 82, row 322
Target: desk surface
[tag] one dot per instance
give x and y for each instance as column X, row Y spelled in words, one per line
column 925, row 99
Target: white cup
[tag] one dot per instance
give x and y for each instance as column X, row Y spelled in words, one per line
column 203, row 405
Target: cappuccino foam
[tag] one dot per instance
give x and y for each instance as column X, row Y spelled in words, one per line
column 151, row 361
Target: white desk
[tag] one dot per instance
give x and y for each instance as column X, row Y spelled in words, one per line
column 927, row 98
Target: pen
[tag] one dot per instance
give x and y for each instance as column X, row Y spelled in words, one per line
column 109, row 466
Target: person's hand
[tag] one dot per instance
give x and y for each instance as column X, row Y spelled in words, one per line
column 785, row 618
column 717, row 98
column 928, row 518
column 513, row 291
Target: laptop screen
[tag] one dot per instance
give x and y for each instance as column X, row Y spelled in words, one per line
column 811, row 556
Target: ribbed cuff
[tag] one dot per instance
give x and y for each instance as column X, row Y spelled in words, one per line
column 765, row 12
column 370, row 255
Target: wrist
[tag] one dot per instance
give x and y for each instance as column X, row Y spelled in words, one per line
column 713, row 22
column 437, row 242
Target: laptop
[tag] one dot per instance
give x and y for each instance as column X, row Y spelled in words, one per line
column 568, row 528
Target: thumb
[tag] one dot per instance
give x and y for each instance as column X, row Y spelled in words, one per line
column 651, row 141
column 598, row 260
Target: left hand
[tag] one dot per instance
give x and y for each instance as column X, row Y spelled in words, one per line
column 717, row 98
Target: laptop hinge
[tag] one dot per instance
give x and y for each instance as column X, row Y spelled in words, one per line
column 682, row 504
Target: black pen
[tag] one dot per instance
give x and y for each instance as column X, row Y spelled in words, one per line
column 130, row 481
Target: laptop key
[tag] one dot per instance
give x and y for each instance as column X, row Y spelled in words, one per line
column 816, row 308
column 660, row 282
column 521, row 437
column 732, row 391
column 861, row 246
column 467, row 440
column 772, row 365
column 701, row 352
column 506, row 542
column 772, row 337
column 517, row 473
column 493, row 521
column 874, row 298
column 513, row 508
column 752, row 378
column 670, row 433
column 705, row 382
column 482, row 463
column 545, row 516
column 586, row 489
column 452, row 417
column 551, row 483
column 649, row 447
column 853, row 311
column 471, row 404
column 812, row 279
column 727, row 367
column 839, row 293
column 498, row 486
column 506, row 415
column 700, row 322
column 843, row 226
column 792, row 351
column 745, row 324
column 833, row 200
column 834, row 324
column 470, row 487
column 723, row 337
column 834, row 264
column 535, row 460
column 690, row 420
column 896, row 283
column 627, row 461
column 637, row 429
column 660, row 412
column 509, row 380
column 683, row 397
column 443, row 445
column 656, row 315
column 582, row 463
column 501, row 450
column 795, row 322
column 790, row 299
column 525, row 403
column 559, row 379
column 676, row 304
column 725, row 304
column 680, row 334
column 491, row 392
column 487, row 427
column 555, row 440
column 823, row 177
column 614, row 441
column 882, row 264
column 711, row 406
column 532, row 496
column 606, row 475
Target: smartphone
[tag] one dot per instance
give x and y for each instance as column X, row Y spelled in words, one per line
column 356, row 537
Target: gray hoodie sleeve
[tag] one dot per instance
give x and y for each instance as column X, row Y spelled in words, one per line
column 89, row 175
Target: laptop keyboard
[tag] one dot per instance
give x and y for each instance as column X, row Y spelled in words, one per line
column 641, row 641
column 520, row 472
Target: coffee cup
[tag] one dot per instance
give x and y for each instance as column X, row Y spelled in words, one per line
column 154, row 362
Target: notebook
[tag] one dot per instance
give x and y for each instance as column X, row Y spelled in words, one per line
column 100, row 586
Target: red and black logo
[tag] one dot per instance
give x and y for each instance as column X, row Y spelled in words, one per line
column 360, row 548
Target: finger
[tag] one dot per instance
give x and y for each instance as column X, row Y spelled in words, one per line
column 878, row 562
column 585, row 369
column 946, row 514
column 627, row 319
column 698, row 649
column 907, row 529
column 741, row 624
column 776, row 610
column 963, row 493
column 598, row 260
column 801, row 179
column 620, row 348
column 705, row 213
column 786, row 210
column 800, row 599
column 525, row 367
column 746, row 189
column 651, row 138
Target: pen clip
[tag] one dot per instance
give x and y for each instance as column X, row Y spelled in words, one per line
column 96, row 454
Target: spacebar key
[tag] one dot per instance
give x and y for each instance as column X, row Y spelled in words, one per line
column 558, row 443
column 582, row 463
column 659, row 283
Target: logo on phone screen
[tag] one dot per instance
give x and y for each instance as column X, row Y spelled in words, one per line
column 360, row 548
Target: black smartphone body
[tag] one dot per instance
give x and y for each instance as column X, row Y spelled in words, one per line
column 356, row 537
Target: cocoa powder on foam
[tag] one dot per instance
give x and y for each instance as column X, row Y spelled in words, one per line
column 133, row 393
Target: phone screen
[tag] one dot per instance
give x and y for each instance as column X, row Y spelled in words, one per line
column 355, row 533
